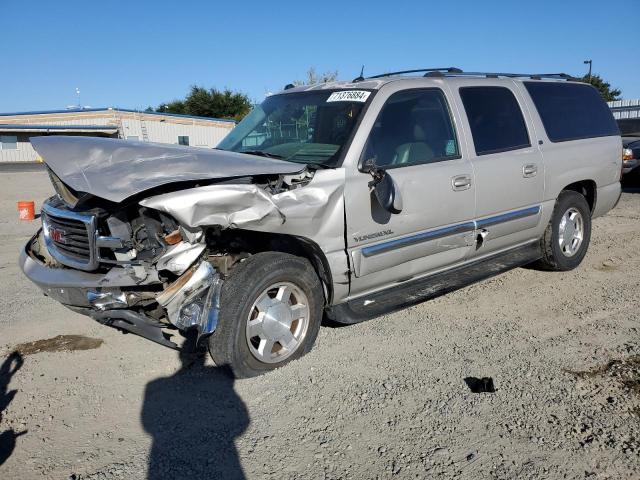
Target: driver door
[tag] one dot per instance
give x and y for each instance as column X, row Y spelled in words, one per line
column 414, row 140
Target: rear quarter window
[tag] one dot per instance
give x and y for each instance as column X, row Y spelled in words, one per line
column 571, row 111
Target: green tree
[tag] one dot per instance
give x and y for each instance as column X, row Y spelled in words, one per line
column 204, row 102
column 608, row 93
column 313, row 77
column 177, row 106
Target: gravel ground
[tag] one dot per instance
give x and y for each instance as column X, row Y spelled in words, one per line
column 382, row 399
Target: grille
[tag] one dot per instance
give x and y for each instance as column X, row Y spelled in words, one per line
column 75, row 241
column 70, row 237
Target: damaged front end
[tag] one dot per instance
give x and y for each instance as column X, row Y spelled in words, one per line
column 193, row 300
column 149, row 255
column 132, row 269
column 154, row 261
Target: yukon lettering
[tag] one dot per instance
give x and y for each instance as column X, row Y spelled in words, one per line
column 362, row 238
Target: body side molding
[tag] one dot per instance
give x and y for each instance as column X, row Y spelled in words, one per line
column 442, row 232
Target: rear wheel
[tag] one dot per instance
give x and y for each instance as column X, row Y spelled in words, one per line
column 566, row 239
column 270, row 313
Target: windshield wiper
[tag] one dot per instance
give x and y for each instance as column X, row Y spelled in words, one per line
column 261, row 153
column 317, row 165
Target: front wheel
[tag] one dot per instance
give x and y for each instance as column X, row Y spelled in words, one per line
column 270, row 313
column 566, row 239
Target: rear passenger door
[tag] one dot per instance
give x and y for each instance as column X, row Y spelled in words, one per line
column 507, row 164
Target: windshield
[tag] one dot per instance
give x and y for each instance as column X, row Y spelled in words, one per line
column 306, row 127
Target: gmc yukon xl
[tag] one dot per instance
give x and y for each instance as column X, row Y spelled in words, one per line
column 343, row 200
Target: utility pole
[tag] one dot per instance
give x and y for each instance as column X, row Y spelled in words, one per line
column 588, row 62
column 78, row 94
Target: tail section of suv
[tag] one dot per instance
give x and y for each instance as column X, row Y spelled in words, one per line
column 345, row 199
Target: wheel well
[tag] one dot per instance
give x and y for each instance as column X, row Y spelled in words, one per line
column 586, row 188
column 255, row 242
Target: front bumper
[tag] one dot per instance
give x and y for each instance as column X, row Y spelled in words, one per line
column 69, row 286
column 191, row 302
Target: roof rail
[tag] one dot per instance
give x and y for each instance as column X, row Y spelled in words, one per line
column 534, row 76
column 419, row 70
column 456, row 72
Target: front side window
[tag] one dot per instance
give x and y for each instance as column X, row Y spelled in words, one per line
column 303, row 127
column 571, row 111
column 414, row 127
column 495, row 118
column 183, row 140
column 8, row 142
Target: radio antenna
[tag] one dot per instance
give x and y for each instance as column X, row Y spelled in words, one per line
column 361, row 77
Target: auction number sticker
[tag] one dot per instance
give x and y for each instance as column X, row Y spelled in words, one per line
column 349, row 96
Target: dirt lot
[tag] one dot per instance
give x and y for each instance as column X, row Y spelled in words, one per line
column 382, row 399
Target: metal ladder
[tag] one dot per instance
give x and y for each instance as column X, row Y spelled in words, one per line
column 143, row 128
column 118, row 119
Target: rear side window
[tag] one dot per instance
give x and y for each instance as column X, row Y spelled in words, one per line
column 495, row 118
column 571, row 111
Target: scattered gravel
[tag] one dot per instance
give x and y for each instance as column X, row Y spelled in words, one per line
column 382, row 399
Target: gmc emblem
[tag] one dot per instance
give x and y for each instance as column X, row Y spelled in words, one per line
column 57, row 235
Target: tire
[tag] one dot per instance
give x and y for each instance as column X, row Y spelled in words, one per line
column 247, row 297
column 556, row 253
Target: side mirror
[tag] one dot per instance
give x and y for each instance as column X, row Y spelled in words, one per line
column 384, row 188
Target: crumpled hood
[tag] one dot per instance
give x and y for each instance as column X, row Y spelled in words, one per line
column 117, row 169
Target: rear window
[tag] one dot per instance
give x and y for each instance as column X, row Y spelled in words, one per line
column 495, row 118
column 571, row 111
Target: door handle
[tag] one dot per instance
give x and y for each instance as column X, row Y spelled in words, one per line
column 529, row 170
column 461, row 182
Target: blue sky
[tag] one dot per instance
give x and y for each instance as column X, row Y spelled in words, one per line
column 132, row 54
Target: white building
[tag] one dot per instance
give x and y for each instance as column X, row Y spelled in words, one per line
column 625, row 109
column 17, row 128
column 627, row 114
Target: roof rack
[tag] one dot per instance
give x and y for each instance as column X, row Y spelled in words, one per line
column 534, row 76
column 456, row 72
column 419, row 70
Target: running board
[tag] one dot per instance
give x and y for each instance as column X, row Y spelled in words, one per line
column 417, row 291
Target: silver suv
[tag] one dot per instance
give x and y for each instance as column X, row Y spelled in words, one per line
column 344, row 200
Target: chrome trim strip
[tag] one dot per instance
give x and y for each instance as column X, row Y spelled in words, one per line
column 419, row 238
column 109, row 242
column 447, row 231
column 506, row 217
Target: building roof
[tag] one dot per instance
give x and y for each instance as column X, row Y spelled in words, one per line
column 111, row 109
column 28, row 128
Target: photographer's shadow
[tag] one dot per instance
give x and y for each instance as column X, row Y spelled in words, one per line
column 8, row 369
column 194, row 416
